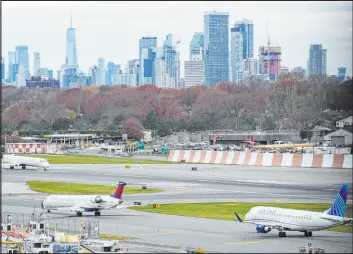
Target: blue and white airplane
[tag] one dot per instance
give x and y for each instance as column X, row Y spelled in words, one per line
column 268, row 218
column 84, row 203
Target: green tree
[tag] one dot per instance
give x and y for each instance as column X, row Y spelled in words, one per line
column 151, row 121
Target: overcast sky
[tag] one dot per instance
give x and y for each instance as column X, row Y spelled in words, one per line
column 112, row 29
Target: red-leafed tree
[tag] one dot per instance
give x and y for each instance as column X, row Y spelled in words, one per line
column 133, row 128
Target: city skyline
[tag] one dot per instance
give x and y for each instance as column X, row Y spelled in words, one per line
column 51, row 43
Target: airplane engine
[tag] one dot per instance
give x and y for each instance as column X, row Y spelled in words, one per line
column 263, row 229
column 98, row 199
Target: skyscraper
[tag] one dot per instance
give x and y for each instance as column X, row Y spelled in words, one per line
column 270, row 61
column 317, row 59
column 69, row 70
column 172, row 60
column 341, row 73
column 11, row 75
column 216, row 42
column 246, row 28
column 236, row 54
column 50, row 74
column 2, row 68
column 194, row 71
column 71, row 57
column 36, row 64
column 21, row 76
column 22, row 58
column 101, row 70
column 110, row 74
column 145, row 61
column 197, row 46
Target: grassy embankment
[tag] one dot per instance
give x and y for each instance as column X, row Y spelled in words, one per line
column 225, row 211
column 78, row 188
column 83, row 159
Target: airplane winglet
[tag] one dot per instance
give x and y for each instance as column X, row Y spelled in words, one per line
column 238, row 218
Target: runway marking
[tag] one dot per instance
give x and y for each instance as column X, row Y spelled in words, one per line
column 249, row 242
column 6, row 185
column 159, row 233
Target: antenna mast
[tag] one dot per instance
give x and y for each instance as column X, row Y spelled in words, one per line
column 71, row 18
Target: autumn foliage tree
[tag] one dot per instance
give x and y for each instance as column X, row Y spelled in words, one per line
column 133, row 128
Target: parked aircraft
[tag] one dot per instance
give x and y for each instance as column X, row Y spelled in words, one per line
column 84, row 203
column 12, row 161
column 268, row 218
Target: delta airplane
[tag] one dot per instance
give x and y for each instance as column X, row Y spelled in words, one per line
column 12, row 160
column 84, row 203
column 268, row 218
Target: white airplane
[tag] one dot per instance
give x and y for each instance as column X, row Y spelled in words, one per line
column 12, row 161
column 84, row 203
column 268, row 218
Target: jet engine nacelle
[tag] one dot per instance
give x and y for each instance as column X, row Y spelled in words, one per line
column 97, row 199
column 262, row 229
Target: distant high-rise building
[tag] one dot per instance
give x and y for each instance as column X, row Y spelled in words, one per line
column 324, row 61
column 11, row 76
column 299, row 70
column 236, row 52
column 43, row 72
column 270, row 61
column 171, row 57
column 2, row 69
column 197, row 46
column 36, row 64
column 110, row 74
column 342, row 73
column 50, row 74
column 246, row 28
column 22, row 58
column 284, row 69
column 71, row 56
column 69, row 70
column 194, row 71
column 145, row 43
column 58, row 75
column 146, row 66
column 101, row 69
column 216, row 43
column 317, row 59
column 40, row 82
column 21, row 76
column 250, row 66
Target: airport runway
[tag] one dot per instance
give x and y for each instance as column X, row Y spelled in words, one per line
column 210, row 184
column 212, row 235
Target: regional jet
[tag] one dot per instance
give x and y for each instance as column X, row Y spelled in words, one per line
column 268, row 218
column 84, row 203
column 12, row 161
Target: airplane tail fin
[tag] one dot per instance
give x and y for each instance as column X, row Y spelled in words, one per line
column 238, row 217
column 338, row 207
column 119, row 190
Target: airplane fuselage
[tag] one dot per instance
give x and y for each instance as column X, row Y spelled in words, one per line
column 86, row 202
column 15, row 160
column 293, row 220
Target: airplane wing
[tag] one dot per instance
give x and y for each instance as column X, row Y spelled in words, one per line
column 263, row 223
column 71, row 209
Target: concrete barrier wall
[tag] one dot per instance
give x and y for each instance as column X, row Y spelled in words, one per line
column 263, row 159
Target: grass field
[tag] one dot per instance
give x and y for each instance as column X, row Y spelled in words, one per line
column 225, row 211
column 78, row 188
column 114, row 237
column 83, row 159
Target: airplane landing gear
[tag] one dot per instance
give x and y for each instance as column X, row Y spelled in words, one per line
column 78, row 214
column 23, row 167
column 12, row 167
column 48, row 211
column 308, row 234
column 97, row 213
column 282, row 234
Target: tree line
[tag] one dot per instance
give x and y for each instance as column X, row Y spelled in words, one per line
column 293, row 101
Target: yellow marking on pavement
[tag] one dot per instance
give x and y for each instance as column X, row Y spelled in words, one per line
column 249, row 242
column 159, row 233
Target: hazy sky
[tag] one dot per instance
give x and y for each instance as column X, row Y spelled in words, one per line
column 112, row 29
